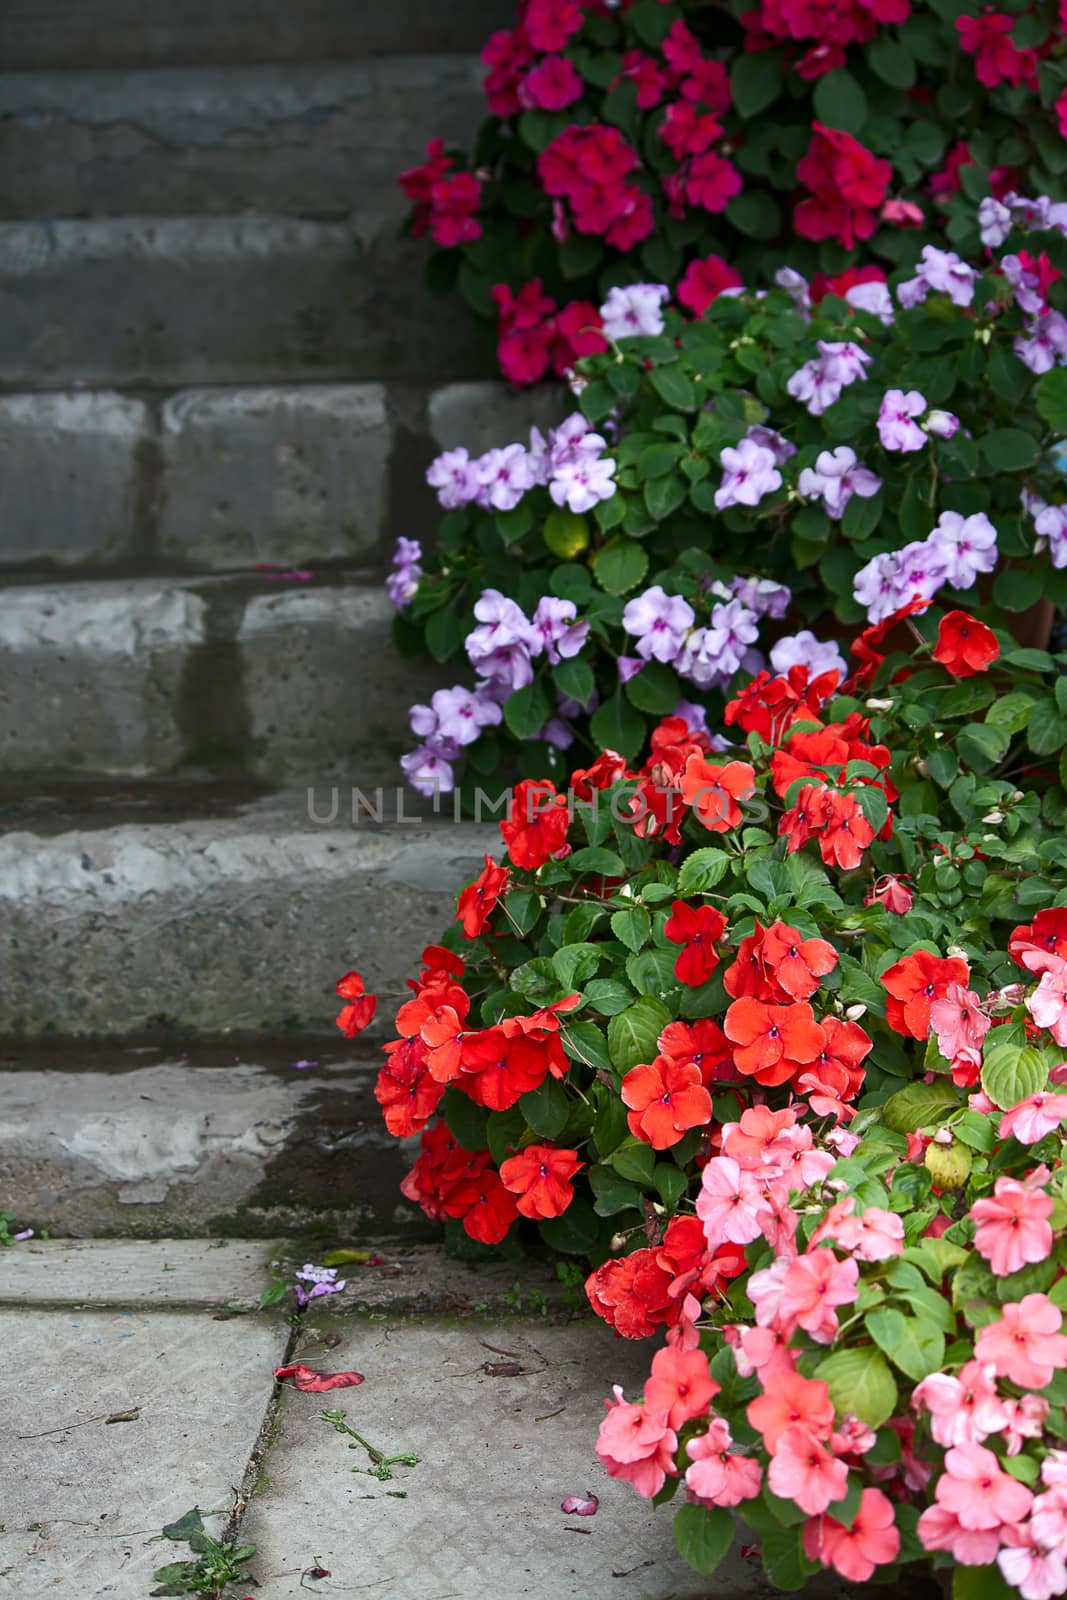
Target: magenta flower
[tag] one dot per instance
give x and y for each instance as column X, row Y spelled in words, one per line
column 452, row 474
column 556, row 631
column 659, row 622
column 821, row 381
column 503, row 477
column 835, row 478
column 749, row 472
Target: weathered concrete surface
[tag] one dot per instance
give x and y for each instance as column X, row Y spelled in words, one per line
column 91, row 675
column 240, row 922
column 83, row 1505
column 487, row 415
column 232, row 676
column 273, row 474
column 304, row 140
column 169, row 302
column 136, row 1273
column 69, row 475
column 37, row 34
column 481, row 1514
column 227, row 1140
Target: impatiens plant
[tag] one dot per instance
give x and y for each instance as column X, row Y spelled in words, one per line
column 741, row 487
column 649, row 141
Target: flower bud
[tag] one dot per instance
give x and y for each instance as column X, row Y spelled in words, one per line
column 854, row 1013
column 949, row 1166
column 993, row 816
column 942, row 424
column 880, row 705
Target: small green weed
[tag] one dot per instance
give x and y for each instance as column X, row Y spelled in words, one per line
column 215, row 1564
column 380, row 1462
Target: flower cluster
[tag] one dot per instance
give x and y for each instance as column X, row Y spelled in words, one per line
column 822, row 454
column 635, row 140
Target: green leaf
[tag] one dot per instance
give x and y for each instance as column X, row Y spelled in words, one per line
column 443, row 633
column 981, row 1583
column 633, row 1033
column 273, row 1295
column 574, row 963
column 1011, row 1073
column 620, row 565
column 189, row 1523
column 584, row 1041
column 916, row 1347
column 654, row 689
column 1046, row 733
column 575, row 1232
column 840, row 102
column 609, row 996
column 920, row 1104
column 632, row 927
column 546, row 1109
column 1052, row 399
column 594, row 858
column 615, row 725
column 756, row 80
column 701, row 871
column 703, row 1535
column 891, row 62
column 982, row 745
column 574, row 679
column 466, row 1121
column 1008, row 450
column 636, row 1162
column 652, row 972
column 674, row 387
column 860, row 1382
column 527, row 710
column 784, row 1561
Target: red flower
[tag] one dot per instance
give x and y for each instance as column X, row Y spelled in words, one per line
column 432, row 1001
column 891, row 892
column 608, row 768
column 405, row 1090
column 576, row 333
column 359, row 1012
column 821, row 285
column 702, row 1044
column 666, row 1099
column 997, row 58
column 772, row 1042
column 748, row 973
column 688, row 132
column 836, row 820
column 453, row 204
column 797, row 963
column 550, row 23
column 632, row 1294
column 714, row 791
column 550, row 86
column 712, row 182
column 913, row 984
column 541, row 1177
column 506, row 54
column 314, row 1382
column 498, row 1070
column 848, row 185
column 946, row 182
column 479, row 899
column 1040, row 945
column 965, row 646
column 536, row 828
column 865, row 645
column 696, row 928
column 441, row 1165
column 484, row 1205
column 418, row 183
column 768, row 706
column 836, row 1075
column 704, row 281
column 646, row 73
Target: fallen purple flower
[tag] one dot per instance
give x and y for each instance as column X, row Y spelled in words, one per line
column 301, row 1066
column 577, row 1506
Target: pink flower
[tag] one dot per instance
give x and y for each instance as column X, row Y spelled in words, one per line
column 636, row 1445
column 551, row 85
column 1025, row 1346
column 730, row 1203
column 812, row 1286
column 1013, row 1226
column 897, row 428
column 940, row 1529
column 759, row 1350
column 872, row 1541
column 963, row 1410
column 958, row 1022
column 875, row 1236
column 1048, row 1003
column 716, row 1475
column 1036, row 1569
column 1034, row 1117
column 789, row 1400
column 681, row 1385
column 1048, row 1519
column 765, row 1290
column 804, row 1471
column 978, row 1492
column 1026, row 1420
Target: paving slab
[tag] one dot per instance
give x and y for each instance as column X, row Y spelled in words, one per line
column 230, row 1141
column 82, row 1504
column 480, row 1518
column 146, row 1273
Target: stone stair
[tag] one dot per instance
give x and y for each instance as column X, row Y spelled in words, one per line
column 218, row 366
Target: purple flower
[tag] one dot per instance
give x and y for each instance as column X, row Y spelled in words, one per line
column 582, row 484
column 555, row 629
column 749, row 472
column 323, row 1280
column 1051, row 524
column 763, row 596
column 796, row 287
column 302, row 1066
column 776, row 443
column 939, row 272
column 892, row 579
column 637, row 309
column 428, row 771
column 942, row 424
column 874, row 298
column 629, row 667
column 994, row 222
column 1027, row 285
column 572, row 440
column 695, row 717
column 461, row 715
column 1044, row 344
column 897, row 428
column 452, row 474
column 835, row 478
column 804, row 650
column 820, row 382
column 557, row 733
column 403, row 581
column 659, row 621
column 503, row 477
column 27, row 1233
column 712, row 655
column 969, row 545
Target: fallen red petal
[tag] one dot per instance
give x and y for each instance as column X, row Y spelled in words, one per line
column 577, row 1505
column 313, row 1382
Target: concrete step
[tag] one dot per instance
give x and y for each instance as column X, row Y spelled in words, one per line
column 231, row 676
column 220, row 478
column 233, row 920
column 166, row 302
column 320, row 140
column 40, row 34
column 226, row 1138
